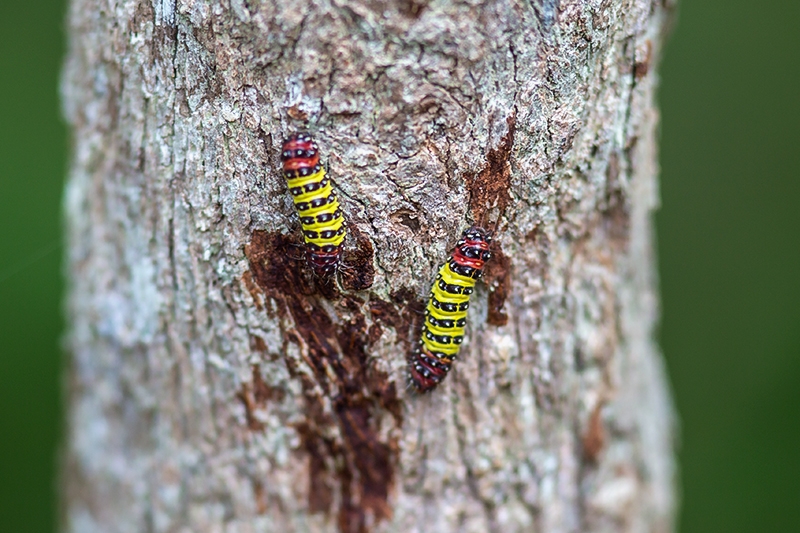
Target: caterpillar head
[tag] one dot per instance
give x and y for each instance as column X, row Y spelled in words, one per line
column 474, row 244
column 299, row 145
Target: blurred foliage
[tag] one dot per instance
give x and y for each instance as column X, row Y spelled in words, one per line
column 729, row 247
column 728, row 243
column 32, row 166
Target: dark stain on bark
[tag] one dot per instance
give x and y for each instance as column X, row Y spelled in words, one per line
column 413, row 317
column 260, row 494
column 262, row 393
column 489, row 189
column 273, row 265
column 255, row 395
column 373, row 334
column 353, row 338
column 489, row 198
column 326, row 286
column 353, row 459
column 381, row 313
column 367, row 463
column 321, row 476
column 412, row 8
column 594, row 438
column 403, row 314
column 247, row 279
column 371, row 459
column 248, row 402
column 498, row 278
column 357, row 271
column 257, row 344
column 642, row 65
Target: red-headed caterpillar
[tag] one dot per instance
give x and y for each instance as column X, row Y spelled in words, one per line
column 446, row 313
column 316, row 203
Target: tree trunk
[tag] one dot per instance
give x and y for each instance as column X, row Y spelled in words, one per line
column 216, row 385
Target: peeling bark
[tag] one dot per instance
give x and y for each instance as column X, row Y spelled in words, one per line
column 215, row 385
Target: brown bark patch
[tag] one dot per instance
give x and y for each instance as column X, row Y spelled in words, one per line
column 373, row 461
column 403, row 314
column 616, row 211
column 412, row 8
column 295, row 113
column 594, row 439
column 257, row 344
column 498, row 278
column 247, row 279
column 262, row 504
column 262, row 393
column 373, row 334
column 358, row 462
column 273, row 265
column 249, row 404
column 489, row 189
column 642, row 65
column 353, row 338
column 254, row 396
column 411, row 313
column 357, row 271
column 320, row 478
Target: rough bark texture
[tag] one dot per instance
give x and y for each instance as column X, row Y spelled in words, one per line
column 215, row 386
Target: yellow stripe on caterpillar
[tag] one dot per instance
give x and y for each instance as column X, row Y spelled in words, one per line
column 307, row 209
column 451, row 348
column 333, row 220
column 455, row 278
column 448, row 297
column 325, row 241
column 458, row 310
column 454, row 331
column 301, row 181
column 321, row 192
column 313, row 189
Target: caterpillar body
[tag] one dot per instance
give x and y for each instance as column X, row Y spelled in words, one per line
column 316, row 203
column 446, row 312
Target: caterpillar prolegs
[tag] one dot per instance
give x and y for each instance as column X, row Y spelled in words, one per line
column 316, row 203
column 446, row 312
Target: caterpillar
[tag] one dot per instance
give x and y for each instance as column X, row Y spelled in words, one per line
column 316, row 203
column 446, row 312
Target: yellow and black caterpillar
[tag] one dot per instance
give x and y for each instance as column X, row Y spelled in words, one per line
column 446, row 313
column 316, row 203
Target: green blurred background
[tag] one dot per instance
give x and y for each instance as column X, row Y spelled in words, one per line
column 729, row 248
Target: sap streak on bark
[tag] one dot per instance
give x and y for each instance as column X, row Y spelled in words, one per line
column 215, row 385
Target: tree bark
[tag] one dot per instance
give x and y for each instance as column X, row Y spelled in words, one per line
column 214, row 385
